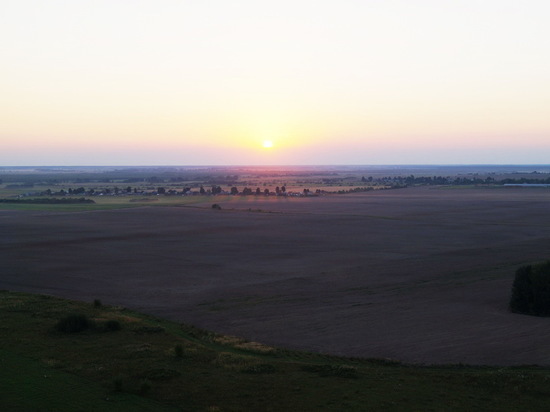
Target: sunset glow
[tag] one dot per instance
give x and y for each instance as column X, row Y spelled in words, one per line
column 393, row 82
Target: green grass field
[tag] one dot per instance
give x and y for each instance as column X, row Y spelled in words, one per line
column 29, row 384
column 153, row 364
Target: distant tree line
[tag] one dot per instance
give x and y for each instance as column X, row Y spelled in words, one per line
column 428, row 180
column 525, row 180
column 365, row 184
column 48, row 200
column 450, row 180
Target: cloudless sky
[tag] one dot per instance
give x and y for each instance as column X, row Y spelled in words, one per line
column 327, row 82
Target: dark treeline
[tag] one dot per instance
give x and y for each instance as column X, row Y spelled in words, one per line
column 525, row 180
column 48, row 200
column 432, row 180
column 455, row 180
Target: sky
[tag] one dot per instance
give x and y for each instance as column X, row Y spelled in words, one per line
column 212, row 82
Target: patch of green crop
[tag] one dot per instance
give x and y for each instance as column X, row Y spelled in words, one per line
column 111, row 203
column 65, row 208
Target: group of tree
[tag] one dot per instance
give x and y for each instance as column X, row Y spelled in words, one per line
column 450, row 180
column 47, row 200
column 525, row 180
column 360, row 189
column 88, row 192
column 427, row 180
column 531, row 290
column 247, row 191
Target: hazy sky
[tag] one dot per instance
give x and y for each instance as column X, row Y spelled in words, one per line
column 327, row 82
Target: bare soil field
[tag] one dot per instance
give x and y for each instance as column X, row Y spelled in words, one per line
column 419, row 275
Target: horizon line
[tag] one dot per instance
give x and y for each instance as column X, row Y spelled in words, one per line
column 280, row 165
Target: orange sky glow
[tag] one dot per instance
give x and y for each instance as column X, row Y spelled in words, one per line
column 208, row 83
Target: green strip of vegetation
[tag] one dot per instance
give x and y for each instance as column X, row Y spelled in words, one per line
column 64, row 208
column 133, row 360
column 107, row 203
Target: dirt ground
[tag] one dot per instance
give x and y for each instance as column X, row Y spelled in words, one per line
column 419, row 274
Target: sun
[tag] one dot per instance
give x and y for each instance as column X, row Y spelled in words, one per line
column 267, row 144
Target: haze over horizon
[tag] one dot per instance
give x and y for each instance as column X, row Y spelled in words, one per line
column 285, row 83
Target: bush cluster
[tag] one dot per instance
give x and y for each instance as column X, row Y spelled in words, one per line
column 112, row 325
column 531, row 290
column 178, row 350
column 342, row 371
column 74, row 323
column 259, row 368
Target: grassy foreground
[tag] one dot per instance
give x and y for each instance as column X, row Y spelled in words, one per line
column 152, row 364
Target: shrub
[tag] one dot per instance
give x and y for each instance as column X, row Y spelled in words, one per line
column 216, row 206
column 342, row 371
column 144, row 387
column 531, row 290
column 74, row 323
column 260, row 368
column 112, row 325
column 148, row 330
column 117, row 384
column 97, row 303
column 178, row 350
